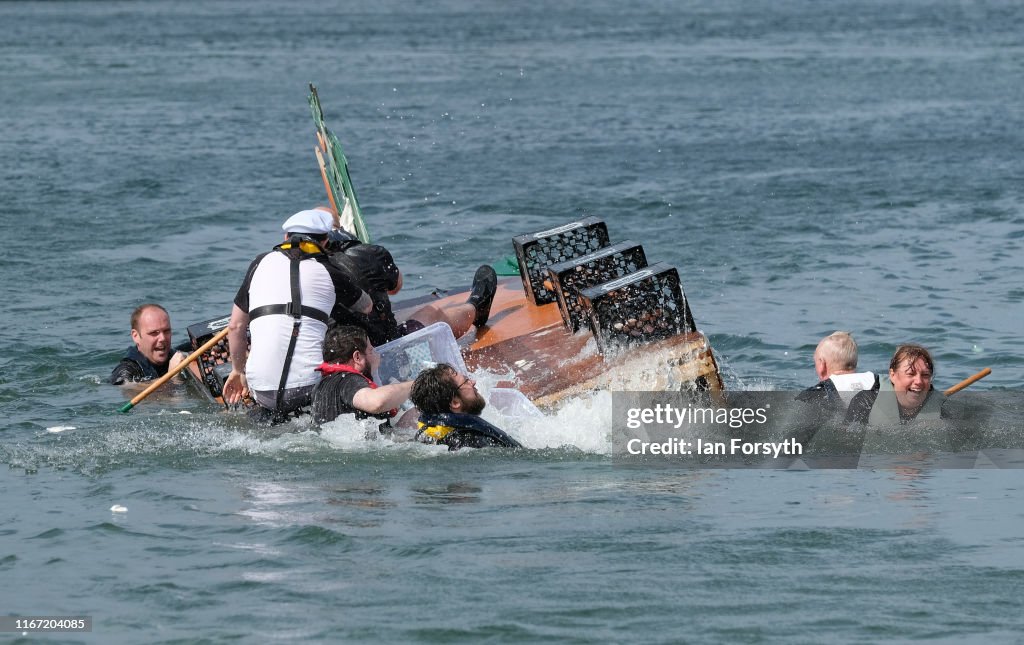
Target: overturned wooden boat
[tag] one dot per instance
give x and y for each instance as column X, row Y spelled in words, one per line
column 585, row 313
column 599, row 318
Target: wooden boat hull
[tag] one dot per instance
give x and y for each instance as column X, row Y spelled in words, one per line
column 548, row 363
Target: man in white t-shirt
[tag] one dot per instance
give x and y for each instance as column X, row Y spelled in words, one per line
column 835, row 361
column 285, row 302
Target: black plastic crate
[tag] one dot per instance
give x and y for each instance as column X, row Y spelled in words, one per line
column 639, row 308
column 211, row 361
column 572, row 277
column 537, row 251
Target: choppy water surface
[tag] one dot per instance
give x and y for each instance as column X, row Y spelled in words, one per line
column 807, row 168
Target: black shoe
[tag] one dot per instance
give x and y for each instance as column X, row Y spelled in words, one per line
column 485, row 284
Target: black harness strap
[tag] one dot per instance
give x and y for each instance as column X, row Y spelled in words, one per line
column 308, row 312
column 293, row 309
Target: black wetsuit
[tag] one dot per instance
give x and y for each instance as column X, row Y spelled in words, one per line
column 374, row 270
column 825, row 395
column 860, row 406
column 135, row 367
column 333, row 396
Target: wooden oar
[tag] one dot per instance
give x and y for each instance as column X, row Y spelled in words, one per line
column 331, row 150
column 327, row 186
column 967, row 381
column 177, row 368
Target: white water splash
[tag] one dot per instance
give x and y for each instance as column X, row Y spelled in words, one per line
column 582, row 422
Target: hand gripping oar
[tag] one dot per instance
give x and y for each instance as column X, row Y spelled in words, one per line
column 177, row 368
column 967, row 381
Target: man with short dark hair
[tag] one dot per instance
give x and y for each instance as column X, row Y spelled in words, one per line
column 151, row 355
column 347, row 385
column 450, row 408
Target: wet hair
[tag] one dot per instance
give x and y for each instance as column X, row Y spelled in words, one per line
column 839, row 348
column 911, row 352
column 342, row 342
column 139, row 311
column 434, row 389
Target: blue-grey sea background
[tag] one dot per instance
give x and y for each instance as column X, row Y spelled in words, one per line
column 808, row 166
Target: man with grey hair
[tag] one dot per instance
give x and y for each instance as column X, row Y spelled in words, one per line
column 835, row 361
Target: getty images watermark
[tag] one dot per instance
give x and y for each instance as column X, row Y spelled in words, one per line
column 775, row 430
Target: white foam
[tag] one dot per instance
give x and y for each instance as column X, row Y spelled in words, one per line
column 347, row 433
column 581, row 422
column 578, row 422
column 56, row 429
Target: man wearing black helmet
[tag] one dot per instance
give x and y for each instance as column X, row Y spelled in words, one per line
column 374, row 269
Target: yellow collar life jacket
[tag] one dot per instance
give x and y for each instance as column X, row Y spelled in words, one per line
column 437, row 433
column 306, row 246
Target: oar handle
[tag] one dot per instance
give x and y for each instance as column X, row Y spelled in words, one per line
column 967, row 381
column 174, row 372
column 327, row 185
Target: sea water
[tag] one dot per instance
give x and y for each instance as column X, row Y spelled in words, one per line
column 807, row 167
